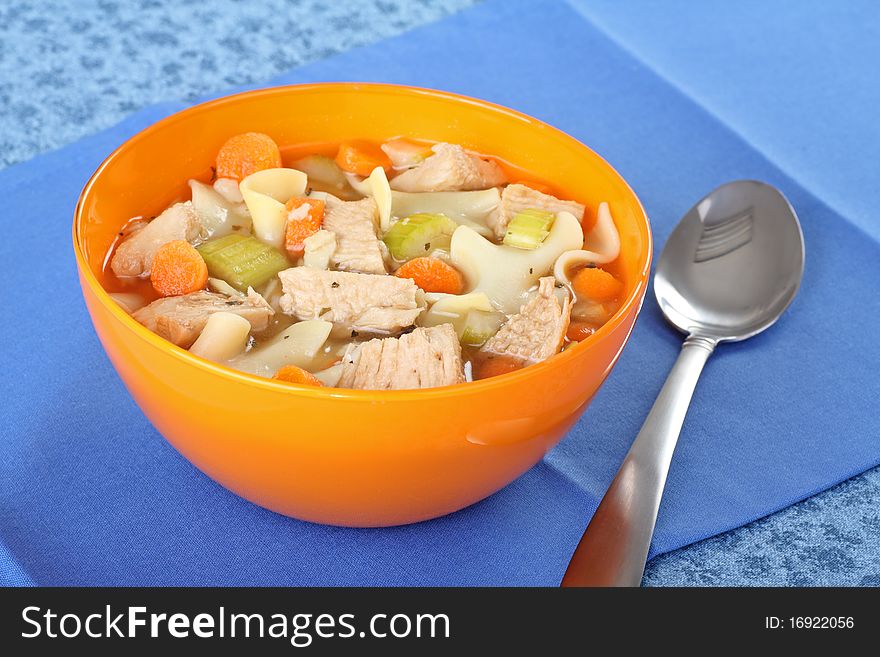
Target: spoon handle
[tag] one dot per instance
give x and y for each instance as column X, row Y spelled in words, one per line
column 614, row 548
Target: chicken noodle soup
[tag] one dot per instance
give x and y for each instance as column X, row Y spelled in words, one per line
column 397, row 265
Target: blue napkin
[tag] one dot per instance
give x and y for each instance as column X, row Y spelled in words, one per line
column 91, row 494
column 799, row 82
column 11, row 573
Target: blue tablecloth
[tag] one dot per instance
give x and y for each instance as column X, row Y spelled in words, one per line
column 92, row 494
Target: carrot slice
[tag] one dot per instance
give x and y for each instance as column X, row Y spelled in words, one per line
column 361, row 157
column 596, row 284
column 490, row 366
column 578, row 330
column 304, row 219
column 537, row 186
column 245, row 154
column 294, row 374
column 432, row 275
column 177, row 269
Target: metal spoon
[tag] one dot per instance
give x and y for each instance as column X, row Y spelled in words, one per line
column 728, row 271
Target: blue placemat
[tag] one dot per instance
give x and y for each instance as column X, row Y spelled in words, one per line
column 11, row 572
column 91, row 494
column 798, row 81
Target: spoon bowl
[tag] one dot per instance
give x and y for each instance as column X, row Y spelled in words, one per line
column 733, row 264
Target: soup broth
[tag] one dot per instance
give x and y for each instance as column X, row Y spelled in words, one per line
column 404, row 264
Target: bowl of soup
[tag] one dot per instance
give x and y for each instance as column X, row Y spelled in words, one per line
column 360, row 304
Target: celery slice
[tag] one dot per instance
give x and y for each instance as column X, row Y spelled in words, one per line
column 213, row 246
column 528, row 229
column 418, row 235
column 242, row 261
column 479, row 326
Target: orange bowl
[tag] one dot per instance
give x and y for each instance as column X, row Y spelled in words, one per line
column 351, row 457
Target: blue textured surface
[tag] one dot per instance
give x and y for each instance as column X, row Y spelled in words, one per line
column 829, row 539
column 69, row 68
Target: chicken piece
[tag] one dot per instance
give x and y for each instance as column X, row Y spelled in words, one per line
column 516, row 198
column 361, row 302
column 134, row 255
column 181, row 319
column 356, row 226
column 425, row 358
column 536, row 332
column 450, row 169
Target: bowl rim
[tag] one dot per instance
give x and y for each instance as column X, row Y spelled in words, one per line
column 635, row 297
